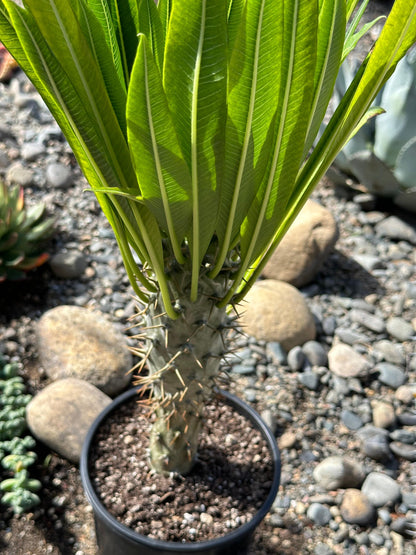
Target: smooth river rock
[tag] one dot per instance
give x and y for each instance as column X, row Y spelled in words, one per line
column 62, row 413
column 344, row 362
column 79, row 343
column 305, row 247
column 276, row 311
column 339, row 472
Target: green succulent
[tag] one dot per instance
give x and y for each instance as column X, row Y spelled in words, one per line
column 382, row 154
column 15, row 453
column 193, row 122
column 8, row 370
column 20, row 491
column 22, row 233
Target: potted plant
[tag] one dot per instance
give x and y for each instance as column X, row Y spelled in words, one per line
column 193, row 123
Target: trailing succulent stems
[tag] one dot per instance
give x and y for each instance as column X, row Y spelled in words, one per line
column 183, row 359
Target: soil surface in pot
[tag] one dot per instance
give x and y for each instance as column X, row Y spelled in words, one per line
column 227, row 485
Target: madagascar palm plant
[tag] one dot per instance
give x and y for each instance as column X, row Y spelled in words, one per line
column 193, row 122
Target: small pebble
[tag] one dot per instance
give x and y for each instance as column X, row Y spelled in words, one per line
column 390, row 374
column 400, row 329
column 296, row 359
column 58, row 175
column 310, row 380
column 319, row 514
column 356, row 508
column 315, row 353
column 407, row 418
column 380, row 489
column 404, row 450
column 368, row 320
column 276, row 353
column 383, row 414
column 351, row 420
column 375, row 442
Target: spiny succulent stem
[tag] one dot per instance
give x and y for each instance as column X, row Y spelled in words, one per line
column 183, row 358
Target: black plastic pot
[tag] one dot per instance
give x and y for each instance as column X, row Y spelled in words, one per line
column 113, row 538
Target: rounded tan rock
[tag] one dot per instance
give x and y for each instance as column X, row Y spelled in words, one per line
column 276, row 311
column 74, row 342
column 356, row 508
column 347, row 363
column 305, row 247
column 383, row 414
column 62, row 413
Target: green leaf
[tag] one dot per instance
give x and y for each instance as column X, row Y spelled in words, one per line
column 63, row 34
column 84, row 113
column 253, row 82
column 331, row 31
column 33, row 214
column 165, row 9
column 234, row 15
column 195, row 72
column 371, row 113
column 97, row 25
column 298, row 51
column 150, row 25
column 161, row 170
column 398, row 34
column 351, row 40
column 126, row 24
column 41, row 230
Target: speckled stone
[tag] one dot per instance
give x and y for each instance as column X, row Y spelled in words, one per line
column 79, row 343
column 357, row 509
column 62, row 413
column 276, row 311
column 345, row 362
column 380, row 489
column 339, row 472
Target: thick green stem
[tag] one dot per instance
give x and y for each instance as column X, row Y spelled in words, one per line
column 183, row 362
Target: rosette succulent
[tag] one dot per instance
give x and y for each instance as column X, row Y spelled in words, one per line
column 22, row 234
column 382, row 155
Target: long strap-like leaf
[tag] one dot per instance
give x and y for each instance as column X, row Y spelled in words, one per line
column 126, row 24
column 297, row 48
column 398, row 35
column 195, row 73
column 62, row 32
column 99, row 31
column 79, row 127
column 252, row 103
column 332, row 23
column 163, row 174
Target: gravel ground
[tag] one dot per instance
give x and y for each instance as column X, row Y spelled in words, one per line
column 367, row 283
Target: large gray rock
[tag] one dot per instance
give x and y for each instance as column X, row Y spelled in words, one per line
column 276, row 311
column 305, row 247
column 79, row 343
column 62, row 413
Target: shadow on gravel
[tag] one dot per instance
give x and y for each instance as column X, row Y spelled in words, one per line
column 344, row 277
column 25, row 297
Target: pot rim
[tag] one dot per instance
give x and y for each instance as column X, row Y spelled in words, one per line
column 245, row 529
